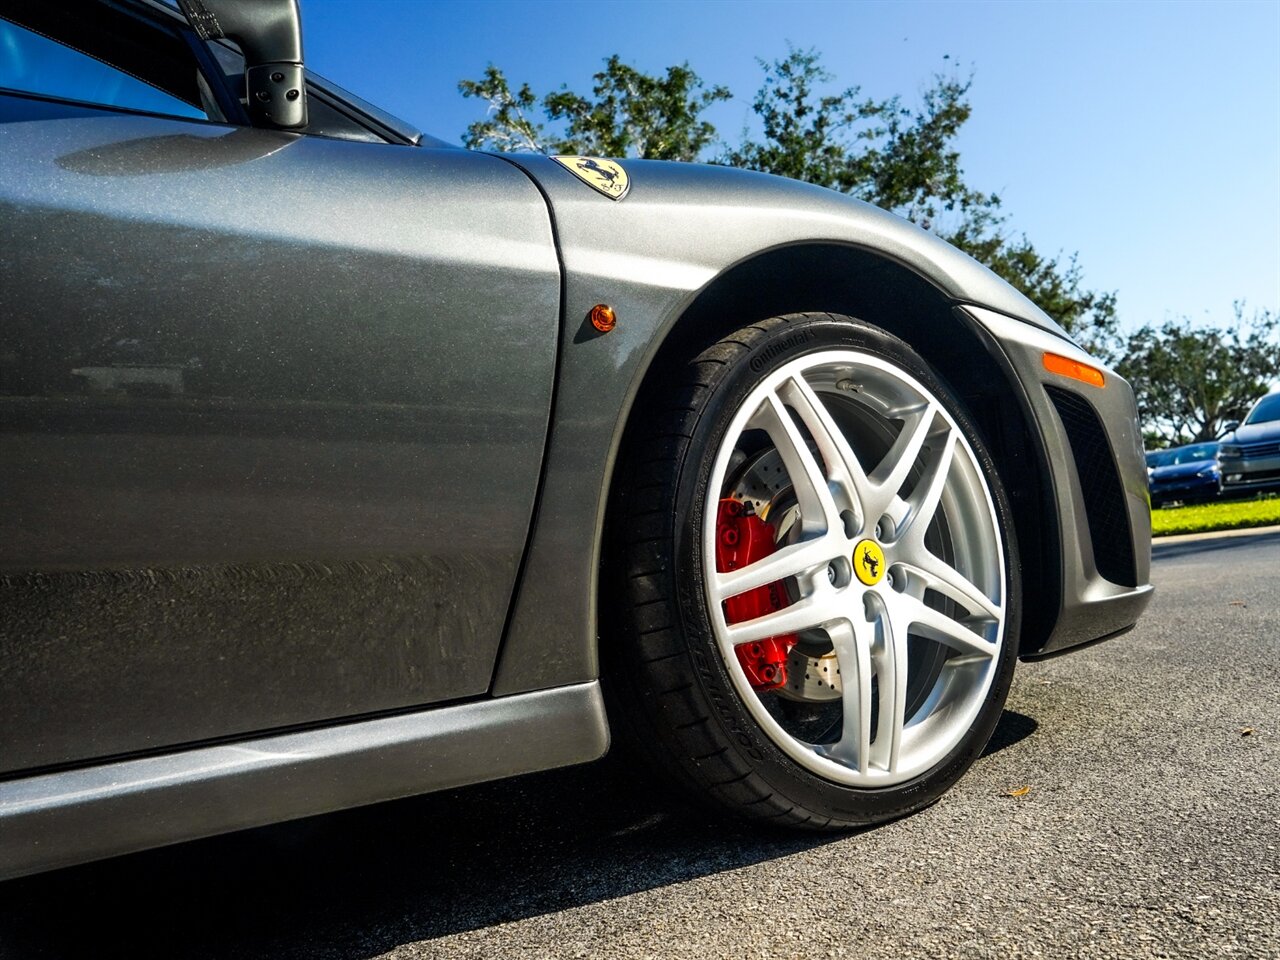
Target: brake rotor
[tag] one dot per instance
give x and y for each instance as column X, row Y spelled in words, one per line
column 762, row 482
column 812, row 679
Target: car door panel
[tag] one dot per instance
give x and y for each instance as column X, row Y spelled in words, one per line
column 272, row 410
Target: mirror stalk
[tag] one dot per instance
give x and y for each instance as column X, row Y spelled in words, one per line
column 269, row 33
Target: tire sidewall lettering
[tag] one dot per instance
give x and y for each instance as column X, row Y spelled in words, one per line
column 794, row 341
column 725, row 704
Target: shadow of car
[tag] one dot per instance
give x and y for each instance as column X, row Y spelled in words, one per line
column 362, row 882
column 1189, row 474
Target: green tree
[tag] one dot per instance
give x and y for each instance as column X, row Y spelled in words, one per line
column 881, row 151
column 1054, row 284
column 876, row 150
column 906, row 161
column 1189, row 381
column 806, row 136
column 507, row 127
column 629, row 114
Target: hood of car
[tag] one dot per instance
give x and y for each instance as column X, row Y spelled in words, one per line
column 1177, row 471
column 1255, row 432
column 689, row 221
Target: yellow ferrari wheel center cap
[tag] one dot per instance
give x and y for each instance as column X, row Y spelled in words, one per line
column 868, row 562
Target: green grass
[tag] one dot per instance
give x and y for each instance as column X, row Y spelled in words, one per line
column 1225, row 515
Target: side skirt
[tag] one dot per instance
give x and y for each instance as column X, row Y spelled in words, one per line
column 60, row 819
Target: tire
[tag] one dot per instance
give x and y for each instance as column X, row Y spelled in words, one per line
column 679, row 688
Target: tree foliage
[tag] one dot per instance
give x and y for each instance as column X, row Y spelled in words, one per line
column 1054, row 284
column 876, row 150
column 635, row 114
column 806, row 136
column 508, row 126
column 1189, row 381
column 629, row 114
column 906, row 160
column 900, row 158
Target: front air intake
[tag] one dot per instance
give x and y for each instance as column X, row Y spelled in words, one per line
column 1104, row 505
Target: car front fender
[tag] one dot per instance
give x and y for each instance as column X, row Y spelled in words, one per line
column 649, row 256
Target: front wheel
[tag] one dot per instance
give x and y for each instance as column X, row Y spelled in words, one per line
column 816, row 576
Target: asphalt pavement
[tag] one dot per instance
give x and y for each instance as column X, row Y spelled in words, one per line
column 1151, row 829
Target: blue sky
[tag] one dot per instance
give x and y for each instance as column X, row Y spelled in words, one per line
column 1145, row 136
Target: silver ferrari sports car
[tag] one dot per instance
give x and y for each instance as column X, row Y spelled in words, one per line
column 339, row 463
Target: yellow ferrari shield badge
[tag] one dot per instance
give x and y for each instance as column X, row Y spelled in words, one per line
column 605, row 175
column 868, row 562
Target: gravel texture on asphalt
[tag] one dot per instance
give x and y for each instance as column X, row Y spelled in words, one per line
column 1151, row 829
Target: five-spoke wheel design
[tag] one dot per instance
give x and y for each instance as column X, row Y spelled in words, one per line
column 886, row 568
column 816, row 596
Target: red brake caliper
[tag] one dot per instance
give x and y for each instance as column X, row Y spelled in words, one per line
column 743, row 538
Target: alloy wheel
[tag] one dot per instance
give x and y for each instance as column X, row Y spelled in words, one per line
column 886, row 558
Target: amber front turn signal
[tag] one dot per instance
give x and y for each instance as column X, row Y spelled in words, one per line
column 1066, row 367
column 603, row 318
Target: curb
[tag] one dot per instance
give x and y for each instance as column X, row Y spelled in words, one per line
column 1214, row 535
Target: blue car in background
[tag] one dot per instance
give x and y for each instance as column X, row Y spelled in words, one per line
column 1189, row 473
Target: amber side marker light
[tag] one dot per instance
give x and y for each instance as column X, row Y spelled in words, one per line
column 1066, row 367
column 603, row 318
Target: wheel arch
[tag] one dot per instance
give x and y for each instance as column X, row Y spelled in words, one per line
column 863, row 283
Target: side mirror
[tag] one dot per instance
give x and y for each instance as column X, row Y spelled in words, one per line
column 269, row 33
column 1228, row 427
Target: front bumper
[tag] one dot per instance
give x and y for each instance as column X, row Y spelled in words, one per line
column 1194, row 486
column 1250, row 473
column 1093, row 455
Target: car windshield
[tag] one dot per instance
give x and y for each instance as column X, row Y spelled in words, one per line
column 1268, row 408
column 1189, row 454
column 1193, row 453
